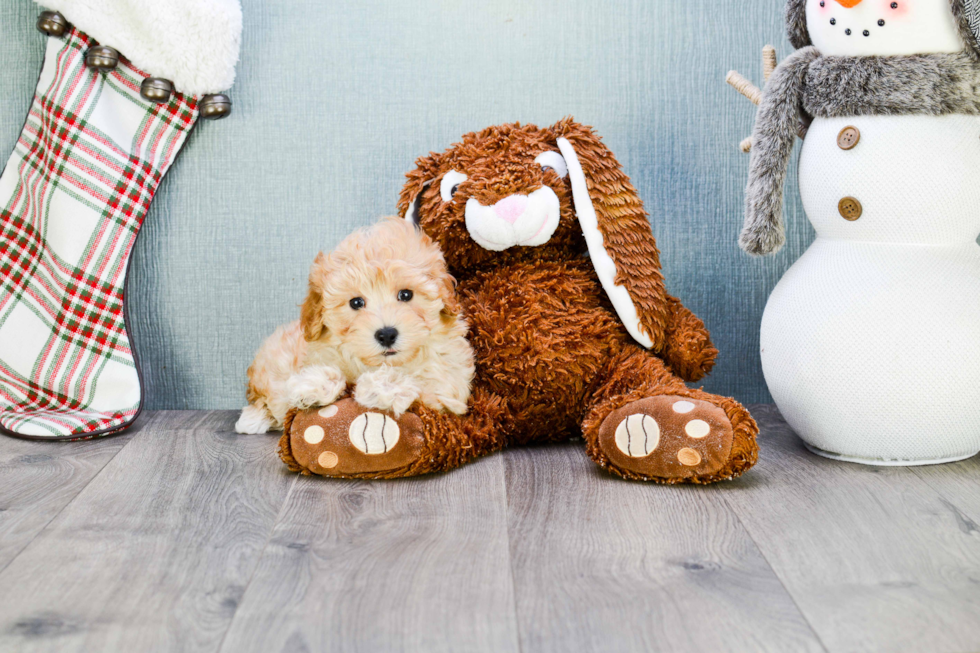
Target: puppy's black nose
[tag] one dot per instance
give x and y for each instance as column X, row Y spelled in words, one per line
column 386, row 337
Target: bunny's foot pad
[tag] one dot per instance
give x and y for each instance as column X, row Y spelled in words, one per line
column 345, row 439
column 667, row 437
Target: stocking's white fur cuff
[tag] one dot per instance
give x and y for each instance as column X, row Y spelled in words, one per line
column 193, row 43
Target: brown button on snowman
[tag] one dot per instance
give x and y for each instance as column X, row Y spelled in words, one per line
column 848, row 138
column 870, row 343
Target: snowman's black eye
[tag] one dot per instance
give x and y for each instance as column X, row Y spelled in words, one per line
column 357, row 303
column 894, row 5
column 822, row 3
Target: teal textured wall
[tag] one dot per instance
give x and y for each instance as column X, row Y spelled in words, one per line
column 335, row 100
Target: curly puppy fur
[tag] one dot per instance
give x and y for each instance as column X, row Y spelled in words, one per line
column 333, row 346
column 553, row 358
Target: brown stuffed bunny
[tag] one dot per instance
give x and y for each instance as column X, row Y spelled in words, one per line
column 565, row 344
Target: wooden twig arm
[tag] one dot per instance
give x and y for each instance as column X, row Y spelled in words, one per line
column 744, row 86
column 753, row 92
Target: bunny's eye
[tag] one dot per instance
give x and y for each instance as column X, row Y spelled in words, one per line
column 450, row 184
column 358, row 303
column 552, row 161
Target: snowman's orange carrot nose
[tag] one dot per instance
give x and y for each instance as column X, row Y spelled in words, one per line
column 849, row 3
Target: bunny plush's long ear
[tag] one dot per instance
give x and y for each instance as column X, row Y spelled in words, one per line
column 617, row 232
column 410, row 200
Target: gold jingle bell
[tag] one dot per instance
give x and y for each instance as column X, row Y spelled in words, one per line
column 156, row 89
column 52, row 23
column 102, row 57
column 215, row 107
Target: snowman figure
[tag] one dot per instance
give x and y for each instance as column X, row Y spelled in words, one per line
column 870, row 342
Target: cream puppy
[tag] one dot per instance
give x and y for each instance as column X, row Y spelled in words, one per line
column 380, row 318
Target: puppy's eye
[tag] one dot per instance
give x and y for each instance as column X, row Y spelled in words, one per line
column 405, row 295
column 552, row 161
column 358, row 303
column 450, row 184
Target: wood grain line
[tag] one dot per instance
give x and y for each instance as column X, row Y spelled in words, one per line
column 874, row 557
column 155, row 552
column 409, row 565
column 606, row 564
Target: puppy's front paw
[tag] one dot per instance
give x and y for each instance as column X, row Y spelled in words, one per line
column 386, row 389
column 253, row 420
column 443, row 402
column 316, row 385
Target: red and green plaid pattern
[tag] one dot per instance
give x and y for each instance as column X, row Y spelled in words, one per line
column 72, row 198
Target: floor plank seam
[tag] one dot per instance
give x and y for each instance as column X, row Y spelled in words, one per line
column 70, row 502
column 510, row 553
column 943, row 495
column 776, row 573
column 905, row 581
column 258, row 561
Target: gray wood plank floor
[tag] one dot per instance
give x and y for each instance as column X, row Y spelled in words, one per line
column 183, row 536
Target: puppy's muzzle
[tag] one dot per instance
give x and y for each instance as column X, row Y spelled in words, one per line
column 386, row 337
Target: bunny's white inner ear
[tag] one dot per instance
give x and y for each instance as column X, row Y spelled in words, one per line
column 412, row 214
column 604, row 266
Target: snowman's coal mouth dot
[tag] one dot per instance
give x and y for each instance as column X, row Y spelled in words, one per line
column 848, row 31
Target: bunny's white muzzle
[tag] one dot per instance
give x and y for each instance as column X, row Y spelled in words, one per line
column 525, row 220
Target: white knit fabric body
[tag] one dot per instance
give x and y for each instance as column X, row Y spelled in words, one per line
column 871, row 341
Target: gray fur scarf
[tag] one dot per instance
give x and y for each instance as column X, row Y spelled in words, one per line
column 808, row 85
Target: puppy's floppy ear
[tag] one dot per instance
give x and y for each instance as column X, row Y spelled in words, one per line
column 621, row 244
column 312, row 311
column 447, row 293
column 439, row 274
column 410, row 199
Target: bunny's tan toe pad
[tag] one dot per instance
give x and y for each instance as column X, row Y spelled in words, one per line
column 346, row 439
column 667, row 437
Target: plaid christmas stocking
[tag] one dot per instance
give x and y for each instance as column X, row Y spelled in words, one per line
column 73, row 196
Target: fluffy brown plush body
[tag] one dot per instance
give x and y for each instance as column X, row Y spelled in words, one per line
column 554, row 359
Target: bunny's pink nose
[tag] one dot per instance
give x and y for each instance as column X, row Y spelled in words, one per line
column 510, row 208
